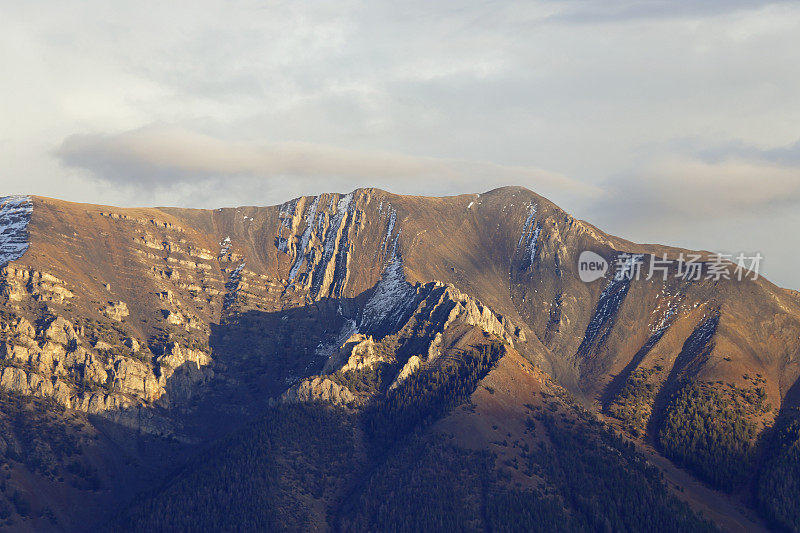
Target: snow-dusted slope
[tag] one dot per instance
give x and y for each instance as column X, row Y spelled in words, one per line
column 15, row 213
column 392, row 299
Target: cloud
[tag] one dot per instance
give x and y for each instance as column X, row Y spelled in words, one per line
column 731, row 180
column 781, row 155
column 683, row 191
column 730, row 198
column 614, row 10
column 167, row 157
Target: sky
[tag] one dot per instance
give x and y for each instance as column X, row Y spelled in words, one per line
column 669, row 121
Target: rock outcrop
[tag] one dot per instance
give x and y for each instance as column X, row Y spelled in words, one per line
column 16, row 284
column 94, row 371
column 320, row 389
column 411, row 366
column 115, row 310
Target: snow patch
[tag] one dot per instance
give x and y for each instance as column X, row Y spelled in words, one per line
column 389, row 229
column 232, row 285
column 15, row 214
column 623, row 274
column 660, row 326
column 528, row 224
column 611, row 299
column 530, row 233
column 390, row 301
column 224, row 247
column 532, row 242
column 666, row 308
column 706, row 330
column 236, row 274
column 327, row 350
column 396, row 238
column 301, row 252
column 330, row 253
column 336, row 223
column 285, row 213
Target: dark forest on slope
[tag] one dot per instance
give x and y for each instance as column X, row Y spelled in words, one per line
column 304, row 465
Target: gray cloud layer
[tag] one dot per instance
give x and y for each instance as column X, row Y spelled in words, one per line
column 732, row 181
column 684, row 189
column 167, row 157
column 610, row 10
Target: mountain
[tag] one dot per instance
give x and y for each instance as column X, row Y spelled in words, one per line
column 371, row 361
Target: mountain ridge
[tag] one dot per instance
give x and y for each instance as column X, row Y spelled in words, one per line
column 157, row 320
column 417, row 270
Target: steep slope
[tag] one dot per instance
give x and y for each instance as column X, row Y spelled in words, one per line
column 415, row 460
column 179, row 325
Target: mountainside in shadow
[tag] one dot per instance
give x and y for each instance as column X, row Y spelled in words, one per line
column 372, row 361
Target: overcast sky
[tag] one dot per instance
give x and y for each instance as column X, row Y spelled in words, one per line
column 672, row 121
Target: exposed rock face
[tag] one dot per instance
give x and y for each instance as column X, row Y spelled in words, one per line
column 474, row 313
column 135, row 378
column 315, row 233
column 15, row 214
column 172, row 317
column 102, row 346
column 428, row 310
column 116, row 310
column 16, row 284
column 414, row 317
column 175, row 358
column 61, row 331
column 320, row 389
column 189, row 287
column 411, row 366
column 362, row 353
column 101, row 375
column 133, row 344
